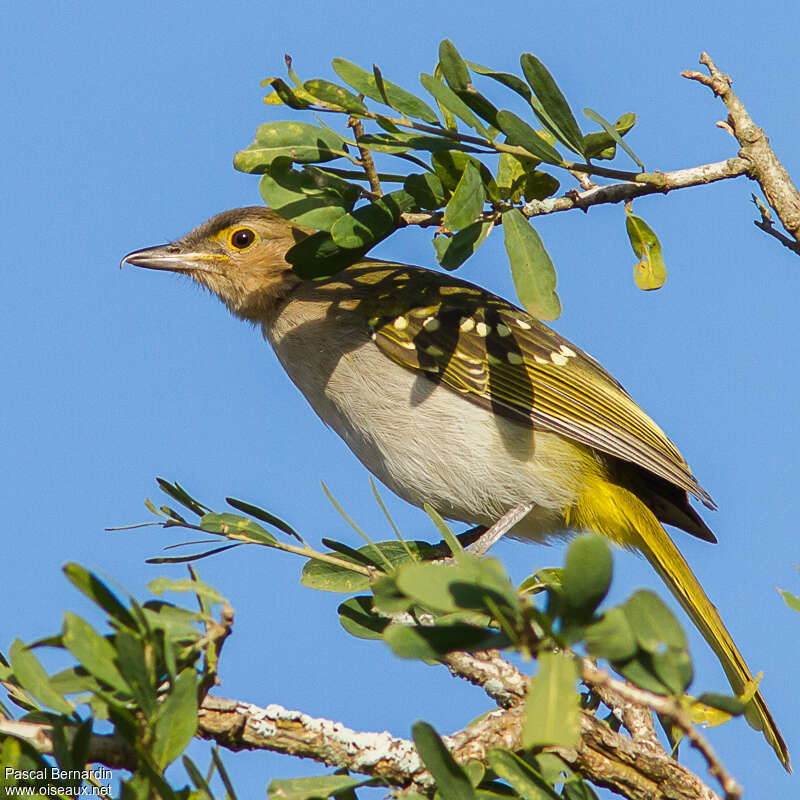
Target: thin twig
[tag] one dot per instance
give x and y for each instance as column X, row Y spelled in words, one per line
column 612, row 193
column 765, row 167
column 668, row 707
column 367, row 161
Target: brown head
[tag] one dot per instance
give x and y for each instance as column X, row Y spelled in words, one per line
column 240, row 255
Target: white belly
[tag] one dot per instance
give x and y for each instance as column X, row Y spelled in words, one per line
column 424, row 441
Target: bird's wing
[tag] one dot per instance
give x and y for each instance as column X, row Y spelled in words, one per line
column 501, row 358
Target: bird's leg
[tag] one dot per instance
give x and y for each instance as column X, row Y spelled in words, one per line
column 500, row 528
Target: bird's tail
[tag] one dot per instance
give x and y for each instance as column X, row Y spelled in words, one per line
column 618, row 514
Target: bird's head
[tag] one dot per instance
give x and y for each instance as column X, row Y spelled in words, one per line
column 239, row 255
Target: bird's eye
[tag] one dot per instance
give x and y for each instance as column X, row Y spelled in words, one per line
column 242, row 238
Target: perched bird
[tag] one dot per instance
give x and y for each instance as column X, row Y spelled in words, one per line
column 455, row 397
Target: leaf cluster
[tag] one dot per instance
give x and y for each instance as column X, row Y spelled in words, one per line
column 468, row 164
column 145, row 678
column 427, row 602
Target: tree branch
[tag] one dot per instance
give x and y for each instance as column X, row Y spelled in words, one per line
column 603, row 756
column 658, row 183
column 668, row 707
column 765, row 167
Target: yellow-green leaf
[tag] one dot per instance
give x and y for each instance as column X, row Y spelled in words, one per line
column 650, row 272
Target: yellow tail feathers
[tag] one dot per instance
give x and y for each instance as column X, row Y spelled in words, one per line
column 619, row 515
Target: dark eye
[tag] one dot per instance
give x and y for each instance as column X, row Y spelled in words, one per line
column 242, row 238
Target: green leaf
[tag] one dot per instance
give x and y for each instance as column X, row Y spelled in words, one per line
column 611, row 637
column 475, row 772
column 429, row 643
column 730, row 705
column 94, row 652
column 333, row 578
column 467, row 200
column 335, row 95
column 652, row 623
column 552, row 707
column 453, row 103
column 520, row 134
column 791, row 600
column 318, row 256
column 453, row 251
column 32, row 677
column 307, row 788
column 138, row 675
column 444, row 529
column 674, row 668
column 233, row 526
column 639, row 670
column 552, row 107
column 369, row 224
column 454, row 68
column 427, row 190
column 512, row 172
column 587, row 575
column 357, row 616
column 452, row 783
column 90, row 585
column 601, row 145
column 177, row 492
column 471, row 583
column 402, row 142
column 204, row 791
column 650, row 272
column 286, row 95
column 531, row 267
column 178, row 623
column 506, row 78
column 539, row 185
column 578, row 790
column 388, row 599
column 522, row 778
column 177, row 719
column 612, row 133
column 449, row 167
column 160, row 585
column 300, row 142
column 309, row 197
column 396, row 97
column 263, row 515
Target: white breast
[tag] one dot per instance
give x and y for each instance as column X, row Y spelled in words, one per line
column 424, row 441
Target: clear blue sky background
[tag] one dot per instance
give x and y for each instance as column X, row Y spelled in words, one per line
column 121, row 122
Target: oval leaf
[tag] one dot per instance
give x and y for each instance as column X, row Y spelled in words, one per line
column 396, row 97
column 454, row 68
column 300, row 142
column 654, row 625
column 334, row 95
column 467, row 200
column 650, row 273
column 519, row 133
column 453, row 251
column 586, row 576
column 552, row 707
column 452, row 782
column 531, row 267
column 552, row 109
column 177, row 719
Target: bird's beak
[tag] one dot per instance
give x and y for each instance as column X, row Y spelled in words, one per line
column 169, row 257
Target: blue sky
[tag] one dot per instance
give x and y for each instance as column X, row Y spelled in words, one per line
column 121, row 123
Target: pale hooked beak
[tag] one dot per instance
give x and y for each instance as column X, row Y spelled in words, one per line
column 168, row 257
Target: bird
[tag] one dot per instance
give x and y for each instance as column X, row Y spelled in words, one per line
column 455, row 397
